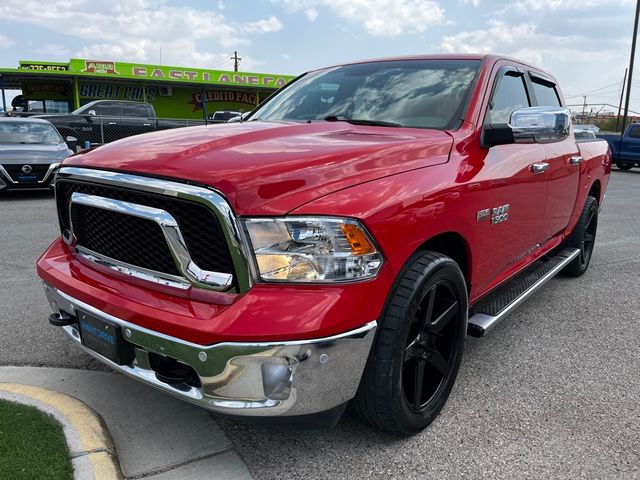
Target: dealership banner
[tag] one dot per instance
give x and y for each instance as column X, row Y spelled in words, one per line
column 176, row 74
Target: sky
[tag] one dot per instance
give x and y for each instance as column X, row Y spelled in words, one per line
column 585, row 44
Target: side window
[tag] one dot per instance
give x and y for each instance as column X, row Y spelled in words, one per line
column 634, row 132
column 134, row 110
column 545, row 93
column 509, row 95
column 109, row 109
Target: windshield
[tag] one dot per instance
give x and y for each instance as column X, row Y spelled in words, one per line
column 408, row 93
column 28, row 132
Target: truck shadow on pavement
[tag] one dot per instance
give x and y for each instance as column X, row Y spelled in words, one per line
column 26, row 195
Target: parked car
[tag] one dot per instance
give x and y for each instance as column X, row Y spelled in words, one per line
column 103, row 121
column 30, row 151
column 223, row 116
column 239, row 118
column 625, row 148
column 335, row 247
column 583, row 134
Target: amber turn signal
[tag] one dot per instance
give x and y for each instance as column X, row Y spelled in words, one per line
column 360, row 244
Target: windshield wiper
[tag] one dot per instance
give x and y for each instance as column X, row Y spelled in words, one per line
column 355, row 121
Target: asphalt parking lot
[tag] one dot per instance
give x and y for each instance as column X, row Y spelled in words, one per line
column 550, row 393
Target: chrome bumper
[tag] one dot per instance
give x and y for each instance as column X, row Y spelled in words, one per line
column 287, row 378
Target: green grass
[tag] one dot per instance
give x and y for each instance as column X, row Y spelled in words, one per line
column 32, row 445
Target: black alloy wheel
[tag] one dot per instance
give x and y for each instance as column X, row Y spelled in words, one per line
column 589, row 236
column 430, row 350
column 418, row 347
column 583, row 238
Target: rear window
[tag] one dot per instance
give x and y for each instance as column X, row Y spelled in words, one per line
column 112, row 109
column 545, row 93
column 634, row 131
column 135, row 110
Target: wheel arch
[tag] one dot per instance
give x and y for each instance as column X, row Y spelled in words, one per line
column 595, row 191
column 453, row 245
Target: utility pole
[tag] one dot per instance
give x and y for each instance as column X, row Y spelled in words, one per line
column 584, row 105
column 236, row 59
column 624, row 82
column 633, row 54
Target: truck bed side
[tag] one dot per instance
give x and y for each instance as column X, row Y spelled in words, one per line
column 594, row 172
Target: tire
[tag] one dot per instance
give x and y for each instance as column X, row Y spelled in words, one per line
column 420, row 335
column 583, row 237
column 624, row 165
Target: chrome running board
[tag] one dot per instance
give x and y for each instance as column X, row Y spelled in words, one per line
column 497, row 305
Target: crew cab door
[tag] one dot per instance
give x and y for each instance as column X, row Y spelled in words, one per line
column 516, row 191
column 135, row 119
column 110, row 114
column 630, row 145
column 563, row 170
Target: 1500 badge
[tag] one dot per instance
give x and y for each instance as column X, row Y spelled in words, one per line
column 498, row 214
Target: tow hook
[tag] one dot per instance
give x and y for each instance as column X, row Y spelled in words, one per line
column 61, row 319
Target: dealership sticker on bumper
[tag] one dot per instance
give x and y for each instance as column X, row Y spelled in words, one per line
column 104, row 338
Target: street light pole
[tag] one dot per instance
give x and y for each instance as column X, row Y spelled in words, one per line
column 633, row 54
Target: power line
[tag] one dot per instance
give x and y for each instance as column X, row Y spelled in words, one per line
column 617, row 84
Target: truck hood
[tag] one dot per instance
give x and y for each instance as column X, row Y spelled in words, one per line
column 32, row 153
column 266, row 168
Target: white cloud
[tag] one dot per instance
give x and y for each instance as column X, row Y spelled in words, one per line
column 53, row 50
column 555, row 5
column 311, row 14
column 5, row 42
column 271, row 24
column 381, row 18
column 475, row 3
column 522, row 41
column 136, row 29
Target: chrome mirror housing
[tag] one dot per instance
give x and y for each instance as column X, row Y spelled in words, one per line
column 540, row 124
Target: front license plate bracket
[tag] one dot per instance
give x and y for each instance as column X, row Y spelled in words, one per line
column 105, row 338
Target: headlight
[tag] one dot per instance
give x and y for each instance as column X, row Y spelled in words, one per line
column 312, row 249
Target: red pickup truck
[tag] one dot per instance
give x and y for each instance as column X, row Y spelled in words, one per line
column 335, row 247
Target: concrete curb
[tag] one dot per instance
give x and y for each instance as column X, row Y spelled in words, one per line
column 92, row 451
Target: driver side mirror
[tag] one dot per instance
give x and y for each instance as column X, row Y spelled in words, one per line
column 92, row 113
column 530, row 125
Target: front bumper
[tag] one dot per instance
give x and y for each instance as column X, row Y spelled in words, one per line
column 288, row 378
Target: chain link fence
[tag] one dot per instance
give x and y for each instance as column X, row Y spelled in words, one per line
column 94, row 130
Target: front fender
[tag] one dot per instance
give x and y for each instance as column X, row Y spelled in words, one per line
column 403, row 211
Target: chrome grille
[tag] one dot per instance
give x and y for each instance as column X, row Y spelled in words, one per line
column 196, row 238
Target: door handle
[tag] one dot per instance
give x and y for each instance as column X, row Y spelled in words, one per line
column 539, row 167
column 112, row 123
column 146, row 124
column 575, row 160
